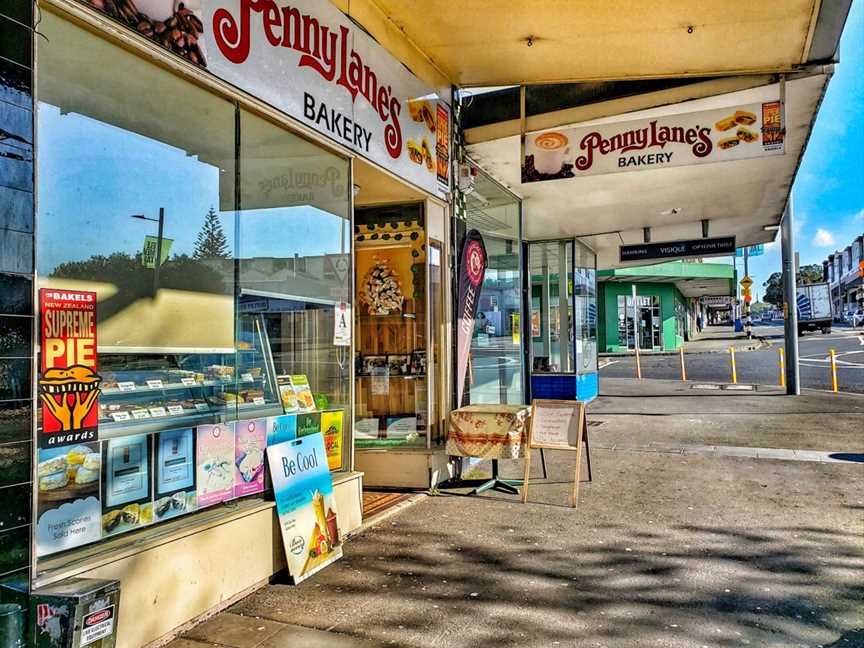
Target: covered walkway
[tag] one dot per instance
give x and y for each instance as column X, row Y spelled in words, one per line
column 677, row 542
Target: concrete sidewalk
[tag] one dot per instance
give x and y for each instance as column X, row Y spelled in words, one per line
column 714, row 339
column 679, row 550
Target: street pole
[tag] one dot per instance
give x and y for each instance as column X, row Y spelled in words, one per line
column 747, row 328
column 790, row 312
column 636, row 335
column 158, row 260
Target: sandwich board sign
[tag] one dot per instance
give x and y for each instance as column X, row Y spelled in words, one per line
column 556, row 425
column 303, row 489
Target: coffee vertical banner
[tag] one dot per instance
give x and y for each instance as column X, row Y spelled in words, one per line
column 472, row 268
column 68, row 382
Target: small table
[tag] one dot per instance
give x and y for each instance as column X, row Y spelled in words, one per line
column 489, row 432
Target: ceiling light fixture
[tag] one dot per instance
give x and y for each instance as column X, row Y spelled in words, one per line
column 770, row 228
column 670, row 212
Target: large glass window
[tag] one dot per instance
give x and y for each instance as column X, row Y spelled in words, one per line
column 495, row 363
column 550, row 264
column 223, row 288
column 585, row 312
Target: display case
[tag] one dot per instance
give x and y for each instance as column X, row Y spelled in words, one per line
column 149, row 392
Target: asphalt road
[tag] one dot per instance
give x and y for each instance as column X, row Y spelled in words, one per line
column 761, row 366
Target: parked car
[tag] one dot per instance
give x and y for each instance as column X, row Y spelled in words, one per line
column 857, row 318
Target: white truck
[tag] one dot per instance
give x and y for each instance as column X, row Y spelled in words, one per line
column 814, row 308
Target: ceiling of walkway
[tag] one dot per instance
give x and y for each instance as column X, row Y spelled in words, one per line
column 494, row 42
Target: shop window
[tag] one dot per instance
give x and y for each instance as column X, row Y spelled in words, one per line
column 391, row 362
column 550, row 264
column 585, row 312
column 495, row 373
column 219, row 284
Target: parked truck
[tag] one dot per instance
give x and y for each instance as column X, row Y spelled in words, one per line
column 814, row 308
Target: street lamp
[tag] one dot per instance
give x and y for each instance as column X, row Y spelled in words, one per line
column 158, row 260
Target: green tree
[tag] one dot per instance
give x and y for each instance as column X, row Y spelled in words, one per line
column 807, row 274
column 211, row 242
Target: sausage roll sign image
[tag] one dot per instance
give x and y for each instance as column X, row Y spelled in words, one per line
column 68, row 381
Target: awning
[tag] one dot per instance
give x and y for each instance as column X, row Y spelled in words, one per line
column 738, row 198
column 692, row 279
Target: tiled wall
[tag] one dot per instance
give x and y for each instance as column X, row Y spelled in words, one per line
column 16, row 284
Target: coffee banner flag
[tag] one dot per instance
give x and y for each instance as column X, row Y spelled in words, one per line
column 472, row 268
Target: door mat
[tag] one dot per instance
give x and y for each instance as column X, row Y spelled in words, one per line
column 375, row 502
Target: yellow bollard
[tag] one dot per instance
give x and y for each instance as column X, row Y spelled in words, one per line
column 782, row 368
column 833, row 370
column 683, row 370
column 732, row 360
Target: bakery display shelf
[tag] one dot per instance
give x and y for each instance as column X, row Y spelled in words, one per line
column 113, row 429
column 139, row 389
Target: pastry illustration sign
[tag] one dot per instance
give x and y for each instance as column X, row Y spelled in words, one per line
column 734, row 133
column 311, row 61
column 68, row 380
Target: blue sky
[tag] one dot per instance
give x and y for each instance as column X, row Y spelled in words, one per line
column 829, row 190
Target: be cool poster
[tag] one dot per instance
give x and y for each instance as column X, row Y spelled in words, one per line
column 306, row 505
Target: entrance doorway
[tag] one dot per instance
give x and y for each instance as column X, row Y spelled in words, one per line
column 650, row 322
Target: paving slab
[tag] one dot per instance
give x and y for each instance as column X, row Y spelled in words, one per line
column 235, row 630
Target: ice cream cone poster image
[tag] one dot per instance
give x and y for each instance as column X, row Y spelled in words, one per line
column 215, row 463
column 68, row 378
column 306, row 505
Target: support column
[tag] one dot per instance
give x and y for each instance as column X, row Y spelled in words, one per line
column 790, row 311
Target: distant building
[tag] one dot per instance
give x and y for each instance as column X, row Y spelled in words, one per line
column 669, row 299
column 843, row 271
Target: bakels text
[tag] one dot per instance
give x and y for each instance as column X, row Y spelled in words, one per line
column 322, row 49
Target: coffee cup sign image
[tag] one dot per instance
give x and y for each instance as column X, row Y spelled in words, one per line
column 550, row 152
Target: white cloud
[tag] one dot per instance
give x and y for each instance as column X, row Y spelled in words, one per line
column 859, row 216
column 823, row 238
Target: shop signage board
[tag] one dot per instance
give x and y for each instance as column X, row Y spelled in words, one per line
column 309, row 60
column 556, row 425
column 303, row 489
column 716, row 301
column 68, row 378
column 704, row 247
column 752, row 251
column 737, row 132
column 69, row 509
column 472, row 269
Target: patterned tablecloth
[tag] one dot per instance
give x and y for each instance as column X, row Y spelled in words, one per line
column 488, row 431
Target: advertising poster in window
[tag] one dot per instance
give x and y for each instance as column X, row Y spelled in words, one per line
column 331, row 430
column 215, row 463
column 281, row 428
column 68, row 378
column 306, row 505
column 127, row 494
column 249, row 444
column 69, row 510
column 308, row 424
column 175, row 474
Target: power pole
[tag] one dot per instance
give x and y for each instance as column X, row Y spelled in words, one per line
column 790, row 311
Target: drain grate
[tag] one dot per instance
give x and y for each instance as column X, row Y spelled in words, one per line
column 593, row 423
column 739, row 387
column 706, row 386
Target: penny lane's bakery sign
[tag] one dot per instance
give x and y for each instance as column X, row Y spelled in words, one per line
column 309, row 60
column 734, row 133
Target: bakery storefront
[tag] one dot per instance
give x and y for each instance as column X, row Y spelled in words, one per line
column 240, row 238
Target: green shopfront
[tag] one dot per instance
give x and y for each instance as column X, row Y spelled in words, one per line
column 665, row 303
